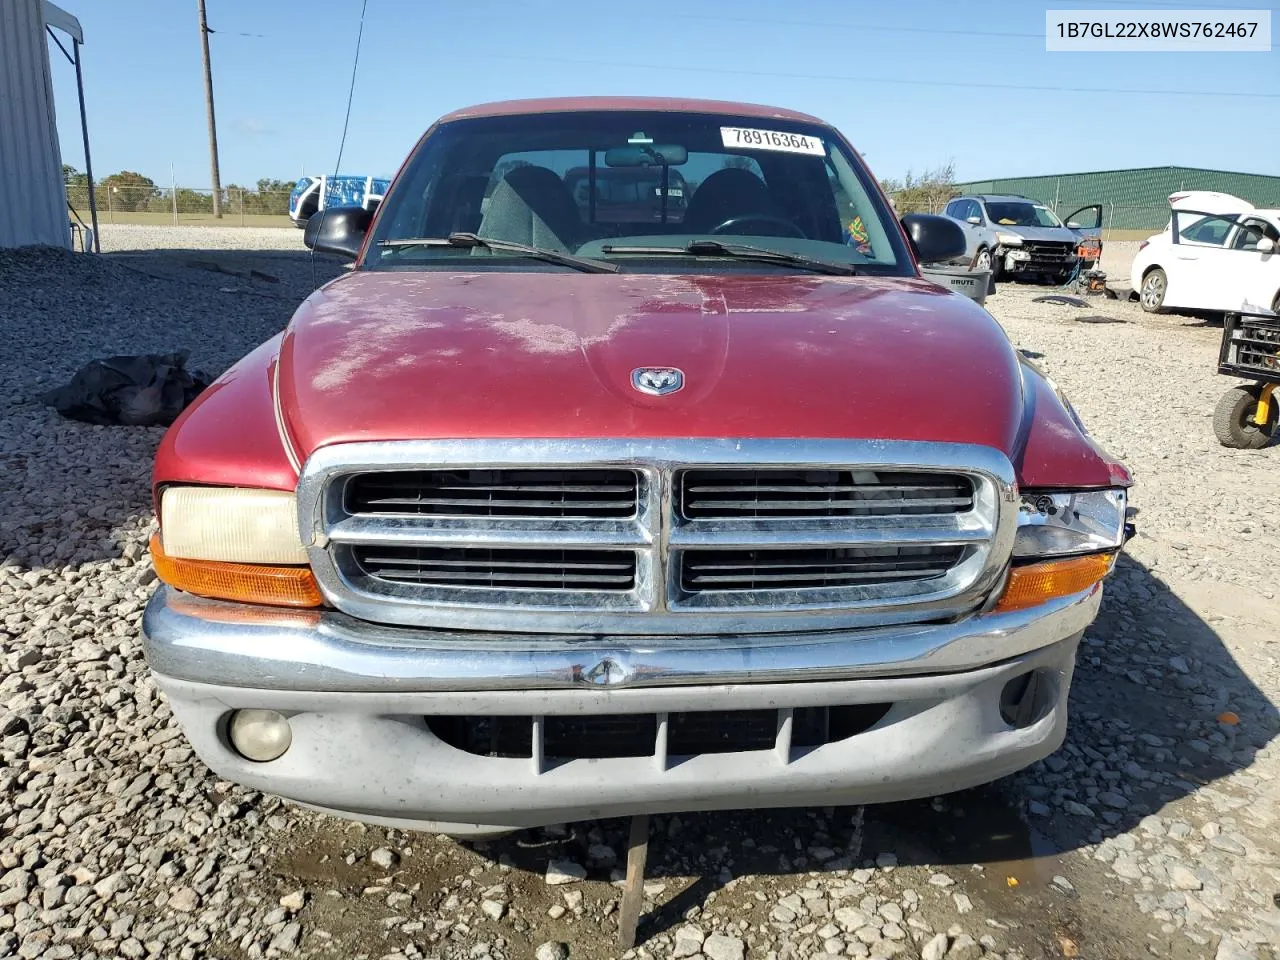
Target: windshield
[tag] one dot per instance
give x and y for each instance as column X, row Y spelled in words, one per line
column 1012, row 213
column 582, row 182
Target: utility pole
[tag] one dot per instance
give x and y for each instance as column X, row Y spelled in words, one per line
column 208, row 102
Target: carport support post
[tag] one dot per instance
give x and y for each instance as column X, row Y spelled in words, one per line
column 84, row 132
column 633, row 888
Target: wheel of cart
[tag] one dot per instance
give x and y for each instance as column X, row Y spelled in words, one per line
column 1247, row 415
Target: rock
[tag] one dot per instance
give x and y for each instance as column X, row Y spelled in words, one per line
column 851, row 918
column 1126, row 866
column 963, row 903
column 1063, row 884
column 964, row 947
column 936, row 948
column 783, row 914
column 110, row 885
column 940, row 880
column 286, row 941
column 1183, row 878
column 86, row 651
column 1228, row 949
column 556, row 911
column 689, row 941
column 183, row 899
column 493, row 909
column 719, row 947
column 552, row 950
column 564, row 871
column 383, row 858
column 294, row 901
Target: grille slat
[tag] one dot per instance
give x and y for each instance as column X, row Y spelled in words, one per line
column 800, row 494
column 463, row 567
column 533, row 494
column 709, row 570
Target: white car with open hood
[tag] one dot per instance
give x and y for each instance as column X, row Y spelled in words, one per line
column 1218, row 252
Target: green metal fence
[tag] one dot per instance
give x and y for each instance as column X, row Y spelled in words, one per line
column 1135, row 199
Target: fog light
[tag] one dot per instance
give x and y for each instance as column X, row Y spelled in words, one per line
column 259, row 735
column 1020, row 255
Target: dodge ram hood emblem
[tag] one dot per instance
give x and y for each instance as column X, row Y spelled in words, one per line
column 657, row 381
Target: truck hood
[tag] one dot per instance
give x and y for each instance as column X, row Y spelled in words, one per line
column 435, row 355
column 1060, row 234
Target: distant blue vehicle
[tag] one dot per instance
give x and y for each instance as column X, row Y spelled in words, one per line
column 313, row 194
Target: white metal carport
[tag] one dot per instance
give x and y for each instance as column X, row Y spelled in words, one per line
column 33, row 195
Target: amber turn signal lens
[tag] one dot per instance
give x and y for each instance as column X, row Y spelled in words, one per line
column 242, row 582
column 1036, row 583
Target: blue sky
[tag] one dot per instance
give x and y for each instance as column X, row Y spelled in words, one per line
column 281, row 89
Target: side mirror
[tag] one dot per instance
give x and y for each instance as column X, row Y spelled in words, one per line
column 338, row 230
column 976, row 221
column 1266, row 245
column 935, row 238
column 1072, row 225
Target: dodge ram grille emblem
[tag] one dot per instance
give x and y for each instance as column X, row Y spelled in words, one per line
column 657, row 381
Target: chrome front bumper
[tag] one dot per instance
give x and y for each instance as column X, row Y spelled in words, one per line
column 235, row 645
column 358, row 698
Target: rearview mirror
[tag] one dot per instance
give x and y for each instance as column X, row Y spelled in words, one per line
column 974, row 220
column 338, row 230
column 1266, row 245
column 646, row 155
column 935, row 238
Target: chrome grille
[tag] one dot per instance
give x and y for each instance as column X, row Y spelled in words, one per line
column 494, row 493
column 512, row 569
column 820, row 493
column 705, row 570
column 666, row 538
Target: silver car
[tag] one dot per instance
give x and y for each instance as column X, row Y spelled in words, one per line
column 1012, row 235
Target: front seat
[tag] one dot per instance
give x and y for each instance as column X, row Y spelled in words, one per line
column 532, row 205
column 727, row 193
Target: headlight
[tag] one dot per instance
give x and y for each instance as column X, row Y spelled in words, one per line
column 231, row 524
column 1008, row 239
column 1062, row 524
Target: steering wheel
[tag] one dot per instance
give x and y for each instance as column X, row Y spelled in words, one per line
column 767, row 219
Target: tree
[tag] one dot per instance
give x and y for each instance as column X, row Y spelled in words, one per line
column 77, row 187
column 926, row 193
column 127, row 191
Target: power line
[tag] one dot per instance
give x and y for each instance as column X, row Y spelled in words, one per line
column 867, row 81
column 876, row 28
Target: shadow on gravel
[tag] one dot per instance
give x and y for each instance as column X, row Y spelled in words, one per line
column 1152, row 680
column 69, row 485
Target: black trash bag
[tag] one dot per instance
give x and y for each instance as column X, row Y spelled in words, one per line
column 140, row 391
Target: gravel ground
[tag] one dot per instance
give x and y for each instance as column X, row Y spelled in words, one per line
column 133, row 236
column 1151, row 833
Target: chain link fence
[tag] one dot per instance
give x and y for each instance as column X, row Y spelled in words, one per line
column 145, row 203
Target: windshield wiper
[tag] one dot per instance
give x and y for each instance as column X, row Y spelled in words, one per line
column 741, row 251
column 506, row 246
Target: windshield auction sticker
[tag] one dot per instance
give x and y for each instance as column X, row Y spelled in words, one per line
column 772, row 140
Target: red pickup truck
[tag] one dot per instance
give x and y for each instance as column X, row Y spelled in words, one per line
column 535, row 516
